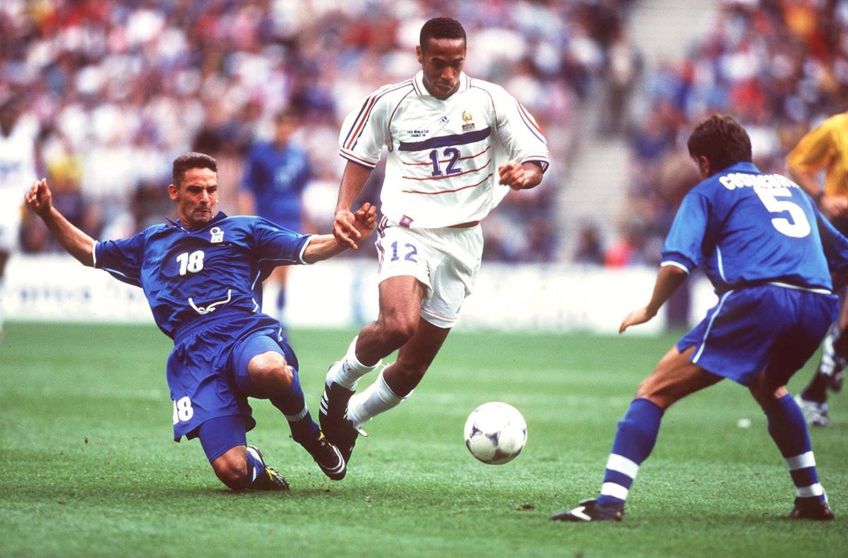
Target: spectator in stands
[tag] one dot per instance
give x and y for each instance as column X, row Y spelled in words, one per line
column 131, row 82
column 276, row 174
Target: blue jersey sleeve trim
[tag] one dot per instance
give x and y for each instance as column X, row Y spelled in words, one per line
column 303, row 250
column 678, row 261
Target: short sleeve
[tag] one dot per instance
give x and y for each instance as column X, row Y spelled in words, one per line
column 518, row 131
column 363, row 133
column 121, row 258
column 683, row 245
column 277, row 245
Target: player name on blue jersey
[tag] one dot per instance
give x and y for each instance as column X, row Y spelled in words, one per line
column 725, row 221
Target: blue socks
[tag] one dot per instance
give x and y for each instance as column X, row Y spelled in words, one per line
column 634, row 441
column 637, row 435
column 255, row 465
column 789, row 431
column 293, row 405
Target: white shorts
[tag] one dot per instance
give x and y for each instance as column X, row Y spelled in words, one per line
column 445, row 260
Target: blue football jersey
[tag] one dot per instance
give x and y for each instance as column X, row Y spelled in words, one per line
column 188, row 275
column 277, row 179
column 745, row 227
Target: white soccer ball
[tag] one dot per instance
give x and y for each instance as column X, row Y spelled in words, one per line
column 495, row 432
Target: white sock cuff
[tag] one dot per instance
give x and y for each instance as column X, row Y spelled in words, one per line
column 809, row 491
column 614, row 490
column 353, row 363
column 387, row 393
column 806, row 459
column 299, row 416
column 375, row 399
column 622, row 465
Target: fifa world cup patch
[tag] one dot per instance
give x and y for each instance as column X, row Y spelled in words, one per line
column 217, row 234
column 469, row 121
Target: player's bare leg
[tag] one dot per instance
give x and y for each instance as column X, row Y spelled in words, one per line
column 397, row 323
column 400, row 308
column 243, row 467
column 414, row 358
column 674, row 378
column 398, row 379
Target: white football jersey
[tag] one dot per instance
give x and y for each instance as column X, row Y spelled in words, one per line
column 443, row 155
column 17, row 158
column 17, row 173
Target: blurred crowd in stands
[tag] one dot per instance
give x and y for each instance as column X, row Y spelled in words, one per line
column 117, row 89
column 779, row 66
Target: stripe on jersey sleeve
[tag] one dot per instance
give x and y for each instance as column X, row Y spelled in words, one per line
column 352, row 157
column 530, row 122
column 358, row 125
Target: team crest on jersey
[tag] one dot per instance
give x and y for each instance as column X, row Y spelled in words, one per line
column 217, row 234
column 468, row 120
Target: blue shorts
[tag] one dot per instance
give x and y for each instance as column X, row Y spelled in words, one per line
column 207, row 369
column 220, row 434
column 766, row 327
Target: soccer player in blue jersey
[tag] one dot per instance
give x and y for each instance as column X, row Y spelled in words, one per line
column 275, row 175
column 767, row 251
column 202, row 276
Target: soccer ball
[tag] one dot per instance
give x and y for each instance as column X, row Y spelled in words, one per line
column 495, row 433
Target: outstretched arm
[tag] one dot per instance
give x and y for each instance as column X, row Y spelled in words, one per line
column 78, row 244
column 669, row 278
column 344, row 223
column 323, row 246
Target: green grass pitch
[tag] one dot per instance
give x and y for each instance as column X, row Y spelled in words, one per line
column 89, row 467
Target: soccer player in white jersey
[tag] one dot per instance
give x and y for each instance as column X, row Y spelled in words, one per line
column 17, row 169
column 456, row 146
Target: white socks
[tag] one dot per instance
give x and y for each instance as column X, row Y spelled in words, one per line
column 351, row 369
column 377, row 398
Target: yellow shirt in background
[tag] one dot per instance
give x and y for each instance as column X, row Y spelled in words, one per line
column 825, row 147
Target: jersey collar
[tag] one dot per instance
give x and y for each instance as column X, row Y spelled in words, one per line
column 218, row 217
column 421, row 90
column 742, row 166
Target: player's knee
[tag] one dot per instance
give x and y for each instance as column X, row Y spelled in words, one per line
column 397, row 331
column 232, row 471
column 655, row 393
column 764, row 391
column 270, row 371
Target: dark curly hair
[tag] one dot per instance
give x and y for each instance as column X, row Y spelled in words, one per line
column 722, row 140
